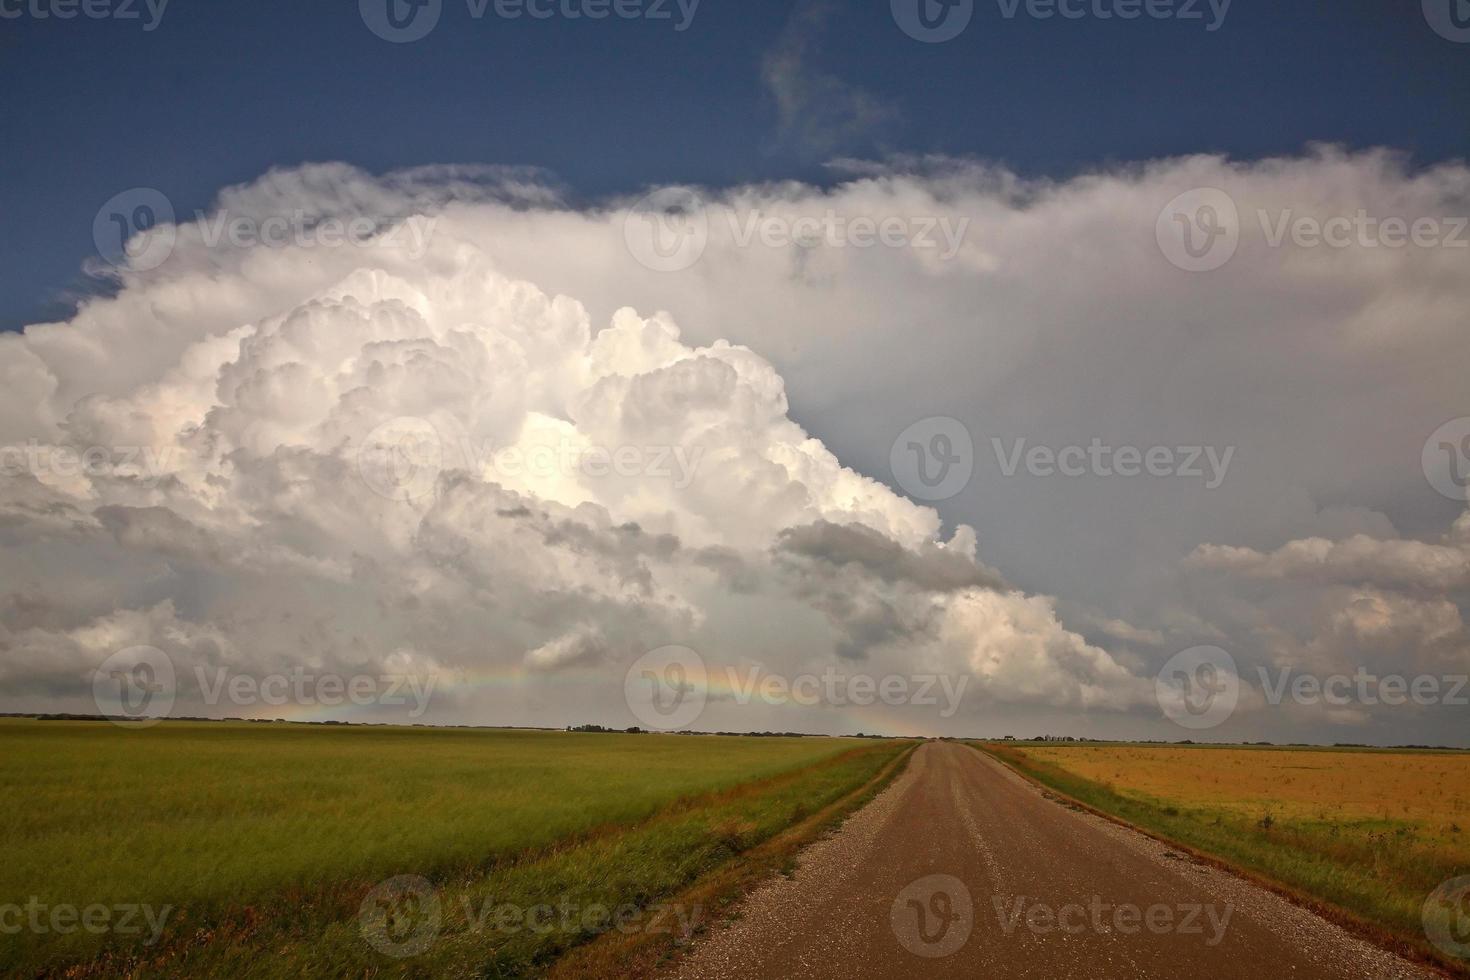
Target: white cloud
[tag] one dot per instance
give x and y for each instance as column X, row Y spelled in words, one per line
column 1393, row 562
column 784, row 372
column 434, row 460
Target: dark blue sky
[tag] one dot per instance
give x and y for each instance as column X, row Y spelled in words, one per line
column 220, row 91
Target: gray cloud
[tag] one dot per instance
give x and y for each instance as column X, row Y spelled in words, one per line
column 792, row 368
column 817, row 111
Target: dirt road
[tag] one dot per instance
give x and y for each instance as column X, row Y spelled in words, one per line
column 962, row 869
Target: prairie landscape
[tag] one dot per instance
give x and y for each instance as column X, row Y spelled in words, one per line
column 1370, row 832
column 238, row 838
column 735, row 489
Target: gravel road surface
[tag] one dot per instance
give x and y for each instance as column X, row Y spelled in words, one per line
column 960, row 868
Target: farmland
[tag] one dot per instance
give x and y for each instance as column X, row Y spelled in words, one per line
column 1368, row 832
column 265, row 839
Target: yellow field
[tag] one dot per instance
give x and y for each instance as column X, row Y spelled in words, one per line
column 1429, row 792
column 1368, row 834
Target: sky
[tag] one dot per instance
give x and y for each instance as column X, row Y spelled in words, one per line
column 216, row 94
column 1081, row 375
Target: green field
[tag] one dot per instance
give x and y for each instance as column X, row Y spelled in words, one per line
column 1368, row 833
column 262, row 840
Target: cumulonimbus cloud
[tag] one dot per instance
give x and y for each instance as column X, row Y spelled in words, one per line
column 521, row 335
column 572, row 497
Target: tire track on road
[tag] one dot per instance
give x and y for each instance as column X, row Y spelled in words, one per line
column 960, row 868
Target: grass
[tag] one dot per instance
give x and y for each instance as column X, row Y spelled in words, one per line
column 643, row 954
column 1367, row 833
column 264, row 839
